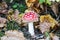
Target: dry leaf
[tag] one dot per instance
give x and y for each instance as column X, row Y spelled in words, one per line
column 13, row 35
column 49, row 19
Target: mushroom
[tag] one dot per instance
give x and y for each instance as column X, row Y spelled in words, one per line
column 30, row 17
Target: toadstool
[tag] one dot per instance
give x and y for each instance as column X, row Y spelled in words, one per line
column 30, row 17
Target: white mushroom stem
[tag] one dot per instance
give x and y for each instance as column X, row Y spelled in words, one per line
column 31, row 28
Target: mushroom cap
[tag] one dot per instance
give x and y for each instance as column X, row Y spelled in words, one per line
column 30, row 16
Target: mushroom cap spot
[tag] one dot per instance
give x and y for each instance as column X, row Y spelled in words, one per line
column 30, row 16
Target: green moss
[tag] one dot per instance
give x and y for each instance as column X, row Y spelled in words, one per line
column 12, row 25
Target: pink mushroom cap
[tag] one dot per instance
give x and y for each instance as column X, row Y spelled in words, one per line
column 30, row 16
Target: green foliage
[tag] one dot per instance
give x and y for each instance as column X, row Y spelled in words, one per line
column 2, row 33
column 45, row 1
column 12, row 25
column 17, row 4
column 14, row 6
column 20, row 7
column 48, row 2
column 41, row 1
column 46, row 34
column 8, row 1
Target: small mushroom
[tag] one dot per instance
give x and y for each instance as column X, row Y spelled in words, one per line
column 30, row 17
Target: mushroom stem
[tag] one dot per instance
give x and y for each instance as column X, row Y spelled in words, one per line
column 31, row 28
